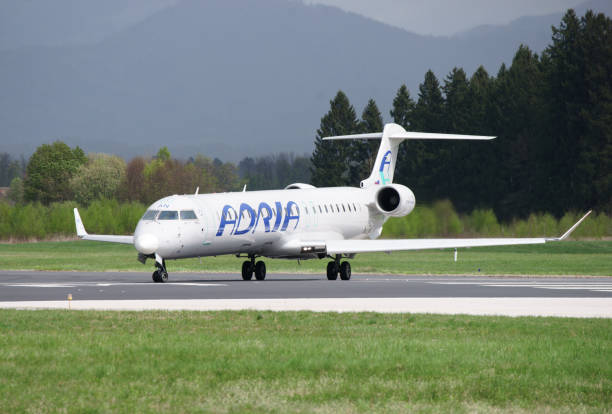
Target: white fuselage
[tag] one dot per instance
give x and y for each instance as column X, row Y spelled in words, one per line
column 275, row 223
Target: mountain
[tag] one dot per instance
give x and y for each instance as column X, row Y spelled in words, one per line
column 226, row 78
column 69, row 22
column 534, row 31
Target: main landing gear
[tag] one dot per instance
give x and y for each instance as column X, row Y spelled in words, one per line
column 161, row 274
column 335, row 267
column 250, row 266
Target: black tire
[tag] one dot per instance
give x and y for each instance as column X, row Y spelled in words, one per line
column 345, row 271
column 247, row 270
column 260, row 270
column 163, row 276
column 155, row 276
column 332, row 271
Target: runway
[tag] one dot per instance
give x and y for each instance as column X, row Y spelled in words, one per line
column 572, row 297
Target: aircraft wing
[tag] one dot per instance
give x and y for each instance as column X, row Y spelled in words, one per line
column 80, row 228
column 389, row 245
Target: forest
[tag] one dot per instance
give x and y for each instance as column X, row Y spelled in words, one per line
column 551, row 114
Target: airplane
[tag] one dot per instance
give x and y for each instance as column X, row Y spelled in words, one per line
column 297, row 222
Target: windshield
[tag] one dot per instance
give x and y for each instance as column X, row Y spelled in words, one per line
column 188, row 215
column 168, row 215
column 150, row 215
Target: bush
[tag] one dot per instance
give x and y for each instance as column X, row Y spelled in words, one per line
column 36, row 221
column 441, row 220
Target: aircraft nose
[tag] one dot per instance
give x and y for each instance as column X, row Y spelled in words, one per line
column 146, row 243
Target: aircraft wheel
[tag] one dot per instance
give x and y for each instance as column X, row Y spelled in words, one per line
column 163, row 277
column 247, row 270
column 332, row 271
column 345, row 271
column 155, row 276
column 260, row 270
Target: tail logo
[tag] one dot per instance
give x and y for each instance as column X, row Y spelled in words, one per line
column 385, row 165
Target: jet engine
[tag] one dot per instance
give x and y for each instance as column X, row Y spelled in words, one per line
column 395, row 200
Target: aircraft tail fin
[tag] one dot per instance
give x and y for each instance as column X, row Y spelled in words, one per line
column 391, row 136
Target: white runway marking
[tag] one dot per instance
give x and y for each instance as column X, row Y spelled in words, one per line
column 562, row 307
column 595, row 286
column 106, row 284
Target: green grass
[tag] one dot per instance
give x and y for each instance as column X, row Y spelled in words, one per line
column 561, row 258
column 63, row 361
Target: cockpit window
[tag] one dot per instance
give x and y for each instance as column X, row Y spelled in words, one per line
column 188, row 215
column 168, row 215
column 150, row 215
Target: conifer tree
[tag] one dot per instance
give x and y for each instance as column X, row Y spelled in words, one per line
column 403, row 108
column 403, row 114
column 330, row 159
column 363, row 152
column 580, row 92
column 424, row 156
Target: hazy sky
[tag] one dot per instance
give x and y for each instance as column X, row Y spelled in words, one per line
column 450, row 16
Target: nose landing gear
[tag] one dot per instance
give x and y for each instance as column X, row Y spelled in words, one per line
column 160, row 275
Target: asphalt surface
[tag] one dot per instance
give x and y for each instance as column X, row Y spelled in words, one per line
column 53, row 286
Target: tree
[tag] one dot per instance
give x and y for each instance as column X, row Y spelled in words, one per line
column 49, row 172
column 363, row 152
column 274, row 171
column 99, row 178
column 451, row 155
column 403, row 108
column 15, row 193
column 517, row 163
column 579, row 63
column 422, row 163
column 227, row 177
column 163, row 154
column 456, row 109
column 330, row 163
column 428, row 112
column 133, row 185
column 403, row 114
column 208, row 181
column 10, row 168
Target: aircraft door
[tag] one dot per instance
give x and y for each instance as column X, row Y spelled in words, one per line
column 193, row 229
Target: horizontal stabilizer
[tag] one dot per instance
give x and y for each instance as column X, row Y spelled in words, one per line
column 411, row 135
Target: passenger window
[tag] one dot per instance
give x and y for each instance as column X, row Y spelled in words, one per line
column 343, row 209
column 326, row 209
column 188, row 215
column 150, row 215
column 168, row 215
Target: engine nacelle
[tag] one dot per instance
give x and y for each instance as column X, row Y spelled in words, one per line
column 394, row 200
column 298, row 186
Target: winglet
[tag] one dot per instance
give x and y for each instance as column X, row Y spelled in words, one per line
column 80, row 228
column 567, row 233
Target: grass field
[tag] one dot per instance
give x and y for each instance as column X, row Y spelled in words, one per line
column 62, row 361
column 562, row 258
